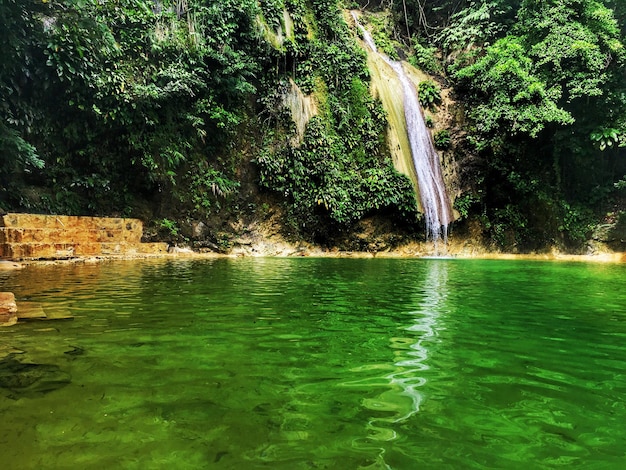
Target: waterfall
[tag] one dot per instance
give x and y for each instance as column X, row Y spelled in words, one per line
column 433, row 198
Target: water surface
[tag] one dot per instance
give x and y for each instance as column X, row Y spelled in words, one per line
column 316, row 363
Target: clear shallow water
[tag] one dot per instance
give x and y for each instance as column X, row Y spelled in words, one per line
column 317, row 363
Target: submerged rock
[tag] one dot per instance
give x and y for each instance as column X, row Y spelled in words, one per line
column 9, row 265
column 26, row 380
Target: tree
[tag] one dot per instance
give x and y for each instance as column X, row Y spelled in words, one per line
column 542, row 100
column 120, row 97
column 575, row 44
column 21, row 28
column 508, row 97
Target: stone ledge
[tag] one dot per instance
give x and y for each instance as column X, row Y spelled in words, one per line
column 156, row 248
column 33, row 251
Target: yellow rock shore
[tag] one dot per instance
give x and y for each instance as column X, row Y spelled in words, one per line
column 29, row 238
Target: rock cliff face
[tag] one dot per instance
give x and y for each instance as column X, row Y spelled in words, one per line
column 33, row 236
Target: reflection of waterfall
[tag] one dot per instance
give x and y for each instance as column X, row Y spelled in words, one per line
column 432, row 192
column 406, row 377
column 415, row 361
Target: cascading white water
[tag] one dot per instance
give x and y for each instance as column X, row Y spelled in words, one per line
column 432, row 191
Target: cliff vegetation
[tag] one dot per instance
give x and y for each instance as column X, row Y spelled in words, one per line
column 210, row 120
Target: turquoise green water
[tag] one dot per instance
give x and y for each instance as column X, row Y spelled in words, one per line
column 316, row 364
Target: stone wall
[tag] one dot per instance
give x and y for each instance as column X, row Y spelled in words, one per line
column 34, row 236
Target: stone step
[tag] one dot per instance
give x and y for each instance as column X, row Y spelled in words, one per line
column 32, row 251
column 27, row 311
column 71, row 235
column 67, row 222
column 35, row 311
column 30, row 310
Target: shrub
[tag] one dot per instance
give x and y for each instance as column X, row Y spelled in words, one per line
column 429, row 94
column 424, row 58
column 442, row 139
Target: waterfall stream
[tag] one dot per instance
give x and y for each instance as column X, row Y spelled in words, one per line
column 428, row 177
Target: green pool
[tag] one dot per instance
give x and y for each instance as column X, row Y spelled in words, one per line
column 316, row 364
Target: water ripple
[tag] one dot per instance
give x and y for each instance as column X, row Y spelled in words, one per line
column 322, row 363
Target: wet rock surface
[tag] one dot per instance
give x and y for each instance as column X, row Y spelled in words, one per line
column 9, row 265
column 8, row 309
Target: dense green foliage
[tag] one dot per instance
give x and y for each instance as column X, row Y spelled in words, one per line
column 429, row 94
column 122, row 98
column 544, row 87
column 18, row 31
column 341, row 171
column 107, row 103
column 115, row 106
